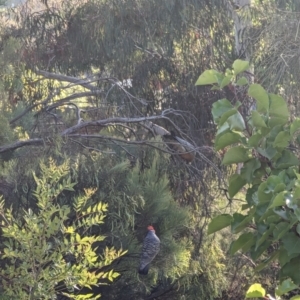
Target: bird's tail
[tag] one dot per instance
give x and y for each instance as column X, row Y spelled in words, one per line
column 144, row 271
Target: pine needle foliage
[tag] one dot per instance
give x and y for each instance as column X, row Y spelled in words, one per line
column 51, row 251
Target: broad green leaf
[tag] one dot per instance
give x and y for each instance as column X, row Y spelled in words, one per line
column 252, row 196
column 226, row 115
column 295, row 126
column 268, row 152
column 280, row 187
column 220, row 77
column 226, row 139
column 255, row 254
column 242, row 81
column 298, row 228
column 255, row 139
column 244, row 240
column 264, row 193
column 223, row 129
column 256, row 291
column 236, row 182
column 291, row 202
column 283, row 257
column 278, row 110
column 226, row 80
column 266, row 262
column 291, row 269
column 285, row 287
column 249, row 168
column 296, row 194
column 273, row 219
column 261, row 96
column 264, row 236
column 282, row 140
column 278, row 200
column 235, row 155
column 208, row 77
column 287, row 159
column 236, row 122
column 291, row 243
column 280, row 230
column 219, row 108
column 240, row 221
column 240, row 66
column 257, row 120
column 297, row 297
column 219, row 223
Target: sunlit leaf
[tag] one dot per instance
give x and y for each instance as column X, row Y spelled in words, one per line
column 240, row 66
column 256, row 291
column 208, row 77
column 219, row 223
column 236, row 155
column 261, row 96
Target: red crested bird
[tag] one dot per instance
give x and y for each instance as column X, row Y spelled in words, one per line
column 150, row 249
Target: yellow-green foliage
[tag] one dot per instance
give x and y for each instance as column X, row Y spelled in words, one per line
column 50, row 250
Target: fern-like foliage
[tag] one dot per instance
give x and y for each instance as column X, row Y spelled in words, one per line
column 50, row 251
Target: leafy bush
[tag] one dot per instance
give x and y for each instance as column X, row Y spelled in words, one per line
column 51, row 251
column 264, row 141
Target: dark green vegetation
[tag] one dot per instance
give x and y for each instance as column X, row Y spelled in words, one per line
column 88, row 91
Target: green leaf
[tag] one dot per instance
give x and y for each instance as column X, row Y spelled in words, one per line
column 208, row 77
column 295, row 127
column 291, row 243
column 280, row 230
column 236, row 182
column 287, row 159
column 244, row 241
column 226, row 80
column 297, row 297
column 242, row 81
column 226, row 139
column 256, row 291
column 279, row 113
column 264, row 193
column 268, row 152
column 219, row 108
column 264, row 236
column 226, row 115
column 261, row 96
column 255, row 139
column 236, row 122
column 298, row 228
column 240, row 66
column 283, row 257
column 255, row 254
column 235, row 155
column 285, row 287
column 266, row 262
column 291, row 269
column 219, row 223
column 257, row 120
column 278, row 200
column 240, row 221
column 249, row 168
column 282, row 140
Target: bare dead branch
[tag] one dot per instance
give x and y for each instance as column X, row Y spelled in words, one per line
column 59, row 77
column 110, row 121
column 19, row 144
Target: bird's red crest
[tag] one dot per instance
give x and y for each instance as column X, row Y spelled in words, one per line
column 150, row 227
